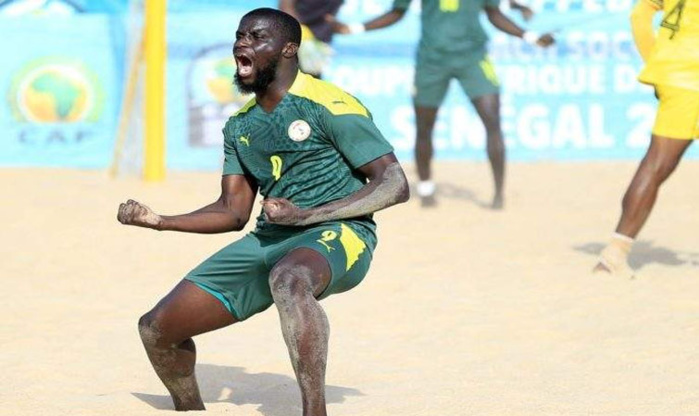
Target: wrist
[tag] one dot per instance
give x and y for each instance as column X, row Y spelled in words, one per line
column 531, row 37
column 160, row 224
column 304, row 216
column 356, row 28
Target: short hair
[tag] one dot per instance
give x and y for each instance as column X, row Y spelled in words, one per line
column 288, row 26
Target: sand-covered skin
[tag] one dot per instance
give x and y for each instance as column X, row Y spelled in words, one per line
column 465, row 311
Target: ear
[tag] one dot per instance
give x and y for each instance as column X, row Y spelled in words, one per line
column 290, row 50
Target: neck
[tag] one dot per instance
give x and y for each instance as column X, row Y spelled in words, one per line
column 273, row 94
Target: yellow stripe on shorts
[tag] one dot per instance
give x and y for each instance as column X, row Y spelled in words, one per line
column 489, row 71
column 354, row 246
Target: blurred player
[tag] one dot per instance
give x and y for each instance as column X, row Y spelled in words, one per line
column 453, row 46
column 672, row 67
column 317, row 32
column 309, row 148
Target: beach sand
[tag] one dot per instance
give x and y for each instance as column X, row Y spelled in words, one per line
column 465, row 311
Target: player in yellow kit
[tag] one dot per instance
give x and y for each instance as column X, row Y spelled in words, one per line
column 672, row 67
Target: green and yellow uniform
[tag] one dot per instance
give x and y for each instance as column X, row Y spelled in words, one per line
column 673, row 68
column 452, row 45
column 306, row 150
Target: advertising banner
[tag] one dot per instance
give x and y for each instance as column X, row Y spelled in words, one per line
column 63, row 80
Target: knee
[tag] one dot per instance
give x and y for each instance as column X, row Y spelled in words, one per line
column 287, row 283
column 148, row 330
column 495, row 144
column 661, row 169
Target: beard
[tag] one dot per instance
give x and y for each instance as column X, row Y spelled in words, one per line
column 263, row 77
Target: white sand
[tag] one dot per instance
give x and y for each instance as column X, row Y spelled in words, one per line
column 465, row 311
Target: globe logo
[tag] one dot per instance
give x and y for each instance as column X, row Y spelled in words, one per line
column 219, row 82
column 55, row 93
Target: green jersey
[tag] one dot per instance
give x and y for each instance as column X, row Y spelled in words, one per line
column 306, row 150
column 451, row 25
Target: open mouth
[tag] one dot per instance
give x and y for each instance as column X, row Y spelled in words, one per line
column 244, row 65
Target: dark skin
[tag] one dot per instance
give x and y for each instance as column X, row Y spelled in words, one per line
column 661, row 159
column 487, row 106
column 295, row 281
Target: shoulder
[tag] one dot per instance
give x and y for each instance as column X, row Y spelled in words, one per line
column 244, row 109
column 242, row 112
column 334, row 99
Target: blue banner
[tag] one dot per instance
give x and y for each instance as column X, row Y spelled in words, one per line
column 63, row 82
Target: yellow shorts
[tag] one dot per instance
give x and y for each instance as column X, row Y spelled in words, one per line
column 678, row 113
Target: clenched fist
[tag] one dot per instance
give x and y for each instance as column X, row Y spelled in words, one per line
column 135, row 213
column 282, row 211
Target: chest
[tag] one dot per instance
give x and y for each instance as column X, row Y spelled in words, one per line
column 293, row 134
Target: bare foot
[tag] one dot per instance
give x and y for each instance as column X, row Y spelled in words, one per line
column 622, row 270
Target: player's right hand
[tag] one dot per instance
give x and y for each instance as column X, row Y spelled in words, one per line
column 546, row 40
column 338, row 27
column 135, row 213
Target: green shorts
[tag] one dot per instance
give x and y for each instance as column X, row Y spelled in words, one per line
column 434, row 71
column 238, row 275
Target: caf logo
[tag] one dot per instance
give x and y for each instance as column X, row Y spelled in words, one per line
column 55, row 91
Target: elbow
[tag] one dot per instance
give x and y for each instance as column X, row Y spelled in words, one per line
column 239, row 222
column 403, row 194
column 396, row 15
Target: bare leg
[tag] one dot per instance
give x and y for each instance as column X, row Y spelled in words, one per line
column 425, row 118
column 488, row 108
column 294, row 282
column 166, row 333
column 660, row 161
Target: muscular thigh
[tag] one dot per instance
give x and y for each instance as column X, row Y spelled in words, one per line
column 335, row 254
column 185, row 312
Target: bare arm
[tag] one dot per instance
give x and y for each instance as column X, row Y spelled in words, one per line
column 387, row 186
column 229, row 213
column 527, row 13
column 380, row 22
column 642, row 26
column 503, row 23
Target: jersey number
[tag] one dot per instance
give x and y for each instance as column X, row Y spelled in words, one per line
column 672, row 20
column 276, row 166
column 448, row 5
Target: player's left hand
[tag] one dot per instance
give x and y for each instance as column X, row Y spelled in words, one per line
column 527, row 13
column 337, row 26
column 546, row 40
column 282, row 211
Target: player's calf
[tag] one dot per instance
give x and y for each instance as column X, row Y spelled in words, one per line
column 172, row 362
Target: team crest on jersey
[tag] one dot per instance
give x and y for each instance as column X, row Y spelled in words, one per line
column 299, row 130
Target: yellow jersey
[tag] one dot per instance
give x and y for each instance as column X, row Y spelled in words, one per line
column 674, row 60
